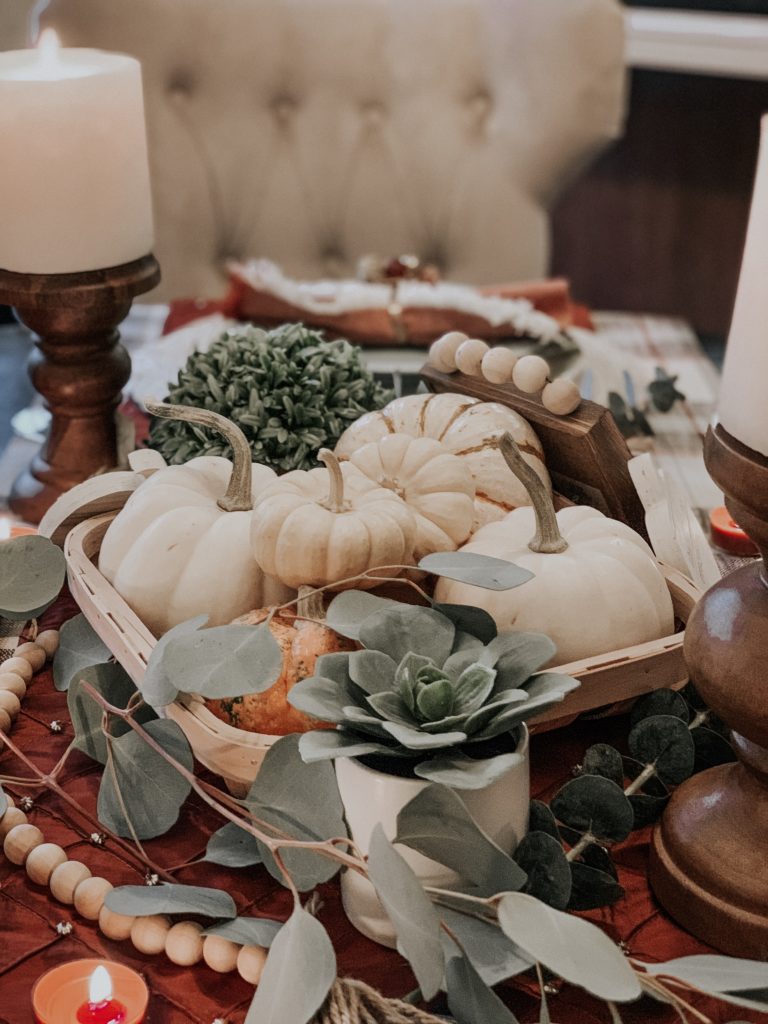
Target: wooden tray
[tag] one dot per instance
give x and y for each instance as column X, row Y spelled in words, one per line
column 236, row 755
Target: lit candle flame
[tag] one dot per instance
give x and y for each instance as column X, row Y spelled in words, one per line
column 100, row 986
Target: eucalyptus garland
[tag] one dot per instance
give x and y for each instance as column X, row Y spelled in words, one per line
column 289, row 390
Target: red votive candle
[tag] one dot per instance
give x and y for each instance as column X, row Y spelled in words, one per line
column 90, row 992
column 728, row 535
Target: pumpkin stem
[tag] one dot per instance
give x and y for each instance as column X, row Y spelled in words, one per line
column 548, row 540
column 238, row 494
column 335, row 500
column 309, row 603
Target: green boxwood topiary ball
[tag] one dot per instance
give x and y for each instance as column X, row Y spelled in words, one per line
column 289, row 390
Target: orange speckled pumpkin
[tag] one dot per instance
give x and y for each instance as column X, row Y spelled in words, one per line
column 302, row 642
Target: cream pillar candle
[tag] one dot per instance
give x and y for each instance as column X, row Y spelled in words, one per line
column 743, row 405
column 74, row 179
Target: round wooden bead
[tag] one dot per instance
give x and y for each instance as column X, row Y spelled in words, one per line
column 442, row 353
column 530, row 373
column 20, row 842
column 497, row 365
column 20, row 666
column 12, row 817
column 90, row 895
column 42, row 861
column 49, row 641
column 10, row 703
column 148, row 934
column 13, row 683
column 561, row 396
column 66, row 878
column 32, row 653
column 250, row 963
column 115, row 926
column 184, row 943
column 220, row 954
column 469, row 356
column 5, row 721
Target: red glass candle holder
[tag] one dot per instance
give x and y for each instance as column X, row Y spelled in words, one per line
column 62, row 995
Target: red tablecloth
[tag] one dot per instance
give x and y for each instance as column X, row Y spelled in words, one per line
column 29, row 944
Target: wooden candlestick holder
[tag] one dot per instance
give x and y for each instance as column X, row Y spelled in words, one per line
column 80, row 369
column 709, row 855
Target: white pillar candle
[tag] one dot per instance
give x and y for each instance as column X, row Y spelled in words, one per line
column 743, row 405
column 74, row 179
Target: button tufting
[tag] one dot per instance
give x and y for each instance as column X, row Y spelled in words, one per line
column 181, row 84
column 480, row 103
column 283, row 106
column 372, row 113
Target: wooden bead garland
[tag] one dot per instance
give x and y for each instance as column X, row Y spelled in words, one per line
column 43, row 861
column 442, row 353
column 148, row 934
column 5, row 721
column 66, row 878
column 71, row 882
column 220, row 954
column 498, row 364
column 530, row 374
column 469, row 356
column 561, row 396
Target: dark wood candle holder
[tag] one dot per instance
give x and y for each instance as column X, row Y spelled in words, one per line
column 709, row 855
column 80, row 369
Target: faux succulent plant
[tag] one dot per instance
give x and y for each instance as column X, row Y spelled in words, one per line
column 426, row 688
column 289, row 390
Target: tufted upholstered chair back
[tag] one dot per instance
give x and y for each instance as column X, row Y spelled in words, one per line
column 313, row 131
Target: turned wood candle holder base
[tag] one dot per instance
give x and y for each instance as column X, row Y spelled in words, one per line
column 709, row 855
column 80, row 369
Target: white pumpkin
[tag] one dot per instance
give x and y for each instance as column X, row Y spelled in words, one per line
column 469, row 429
column 435, row 485
column 596, row 588
column 180, row 546
column 319, row 527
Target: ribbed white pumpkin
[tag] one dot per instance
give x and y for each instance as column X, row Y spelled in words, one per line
column 180, row 546
column 602, row 591
column 436, row 485
column 318, row 527
column 468, row 428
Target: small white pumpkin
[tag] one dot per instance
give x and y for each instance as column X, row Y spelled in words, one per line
column 180, row 547
column 435, row 485
column 469, row 429
column 597, row 586
column 321, row 526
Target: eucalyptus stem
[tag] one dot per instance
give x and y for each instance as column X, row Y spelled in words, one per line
column 547, row 540
column 238, row 494
column 576, row 851
column 637, row 783
column 367, row 575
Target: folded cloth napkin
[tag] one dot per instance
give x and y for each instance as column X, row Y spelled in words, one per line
column 403, row 312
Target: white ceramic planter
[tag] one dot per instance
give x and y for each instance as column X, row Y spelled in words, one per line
column 371, row 797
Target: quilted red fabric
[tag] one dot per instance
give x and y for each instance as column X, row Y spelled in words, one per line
column 29, row 944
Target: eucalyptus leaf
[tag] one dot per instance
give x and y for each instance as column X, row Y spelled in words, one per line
column 349, row 610
column 115, row 686
column 660, row 702
column 599, row 857
column 247, row 931
column 437, row 824
column 475, row 621
column 665, row 742
column 403, row 629
column 493, row 955
column 79, row 648
column 478, row 570
column 470, row 1000
column 541, row 819
column 647, row 808
column 603, row 759
column 159, row 686
column 225, row 661
column 592, row 888
column 460, row 771
column 151, row 789
column 303, row 801
column 591, row 803
column 32, row 572
column 3, row 802
column 232, row 847
column 714, row 973
column 543, row 860
column 298, row 974
column 710, row 749
column 413, row 917
column 146, row 900
column 572, row 948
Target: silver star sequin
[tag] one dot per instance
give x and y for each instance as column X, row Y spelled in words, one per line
column 98, row 838
column 64, row 928
column 151, row 878
column 56, row 726
column 26, row 803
